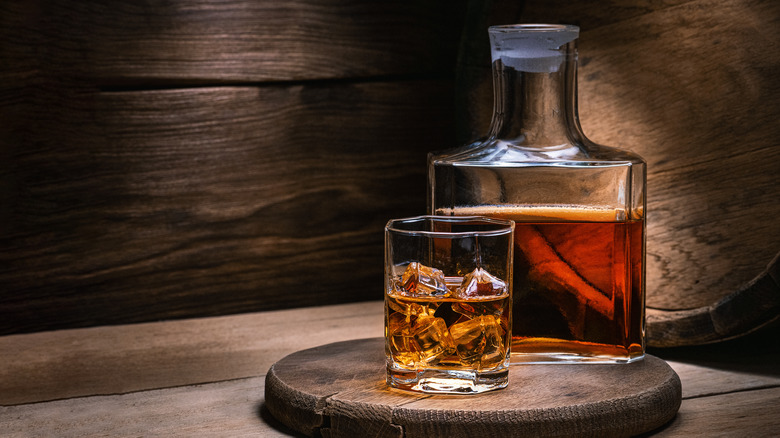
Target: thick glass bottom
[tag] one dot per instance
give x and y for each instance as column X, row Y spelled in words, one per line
column 547, row 350
column 447, row 381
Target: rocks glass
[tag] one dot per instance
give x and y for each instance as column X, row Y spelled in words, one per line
column 448, row 285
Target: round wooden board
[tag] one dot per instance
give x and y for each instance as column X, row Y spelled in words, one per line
column 339, row 390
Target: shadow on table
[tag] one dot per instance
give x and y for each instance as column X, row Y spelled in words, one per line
column 267, row 418
column 758, row 352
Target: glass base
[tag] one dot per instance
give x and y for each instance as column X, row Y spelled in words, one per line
column 539, row 350
column 443, row 381
column 569, row 358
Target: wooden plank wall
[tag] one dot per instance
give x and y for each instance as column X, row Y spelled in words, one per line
column 186, row 157
column 183, row 157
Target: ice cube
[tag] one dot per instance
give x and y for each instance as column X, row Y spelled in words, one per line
column 403, row 348
column 425, row 341
column 480, row 341
column 408, row 307
column 419, row 280
column 433, row 339
column 479, row 283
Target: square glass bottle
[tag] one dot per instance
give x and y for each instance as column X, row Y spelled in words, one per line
column 579, row 207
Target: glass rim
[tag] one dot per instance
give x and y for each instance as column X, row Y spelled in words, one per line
column 504, row 226
column 533, row 28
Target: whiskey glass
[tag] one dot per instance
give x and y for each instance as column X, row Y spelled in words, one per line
column 448, row 301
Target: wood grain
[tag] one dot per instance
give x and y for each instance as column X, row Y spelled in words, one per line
column 753, row 307
column 702, row 379
column 218, row 409
column 107, row 378
column 713, row 416
column 139, row 205
column 186, row 158
column 690, row 86
column 702, row 123
column 128, row 358
column 179, row 42
column 235, row 408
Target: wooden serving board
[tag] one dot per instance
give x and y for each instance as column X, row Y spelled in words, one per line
column 339, row 390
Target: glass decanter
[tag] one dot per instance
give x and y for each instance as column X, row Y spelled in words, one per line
column 579, row 293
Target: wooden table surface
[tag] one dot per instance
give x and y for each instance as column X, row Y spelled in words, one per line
column 206, row 376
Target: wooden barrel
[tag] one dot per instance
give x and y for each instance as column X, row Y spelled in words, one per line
column 692, row 87
column 190, row 158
